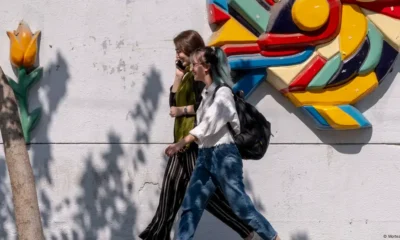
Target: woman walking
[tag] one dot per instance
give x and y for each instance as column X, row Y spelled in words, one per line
column 185, row 97
column 219, row 164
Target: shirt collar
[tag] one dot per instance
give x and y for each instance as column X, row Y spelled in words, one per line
column 208, row 91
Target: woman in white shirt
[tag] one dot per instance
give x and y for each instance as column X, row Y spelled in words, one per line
column 219, row 163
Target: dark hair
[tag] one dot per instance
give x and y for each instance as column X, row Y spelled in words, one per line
column 219, row 65
column 188, row 41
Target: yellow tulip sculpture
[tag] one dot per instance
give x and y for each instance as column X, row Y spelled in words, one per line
column 23, row 52
column 23, row 47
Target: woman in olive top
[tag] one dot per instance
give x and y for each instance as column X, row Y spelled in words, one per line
column 185, row 97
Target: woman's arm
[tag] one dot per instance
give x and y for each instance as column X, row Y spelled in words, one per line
column 221, row 111
column 178, row 78
column 172, row 91
column 174, row 148
column 172, row 100
column 190, row 109
column 180, row 111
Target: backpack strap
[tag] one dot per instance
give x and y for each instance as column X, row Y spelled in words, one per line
column 216, row 89
column 213, row 97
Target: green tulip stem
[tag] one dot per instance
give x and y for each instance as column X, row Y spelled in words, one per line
column 25, row 82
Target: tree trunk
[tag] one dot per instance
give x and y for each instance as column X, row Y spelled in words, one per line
column 26, row 208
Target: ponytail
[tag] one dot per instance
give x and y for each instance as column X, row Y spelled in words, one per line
column 219, row 66
column 221, row 73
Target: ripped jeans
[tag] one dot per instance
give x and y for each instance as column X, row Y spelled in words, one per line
column 220, row 166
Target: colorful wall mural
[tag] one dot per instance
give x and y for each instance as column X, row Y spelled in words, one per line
column 323, row 55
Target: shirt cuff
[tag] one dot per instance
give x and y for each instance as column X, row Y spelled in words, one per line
column 197, row 133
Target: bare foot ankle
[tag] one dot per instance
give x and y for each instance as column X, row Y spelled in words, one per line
column 277, row 238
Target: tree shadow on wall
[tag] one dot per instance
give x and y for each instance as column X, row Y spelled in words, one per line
column 54, row 83
column 300, row 236
column 143, row 113
column 336, row 138
column 105, row 203
column 106, row 197
column 143, row 118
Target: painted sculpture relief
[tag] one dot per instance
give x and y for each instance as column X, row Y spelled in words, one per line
column 323, row 55
column 23, row 51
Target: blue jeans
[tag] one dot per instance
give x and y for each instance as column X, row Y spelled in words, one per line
column 220, row 166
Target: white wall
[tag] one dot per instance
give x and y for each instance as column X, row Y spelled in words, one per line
column 98, row 152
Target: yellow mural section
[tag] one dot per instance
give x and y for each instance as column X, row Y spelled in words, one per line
column 232, row 32
column 336, row 117
column 352, row 31
column 349, row 93
column 310, row 15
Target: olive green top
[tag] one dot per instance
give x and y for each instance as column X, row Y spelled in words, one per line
column 188, row 93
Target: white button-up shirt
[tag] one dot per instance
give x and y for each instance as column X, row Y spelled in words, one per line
column 213, row 116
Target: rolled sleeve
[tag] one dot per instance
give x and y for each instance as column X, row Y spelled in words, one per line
column 221, row 111
column 198, row 133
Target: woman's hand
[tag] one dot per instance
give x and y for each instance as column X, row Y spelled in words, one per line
column 179, row 74
column 174, row 148
column 175, row 112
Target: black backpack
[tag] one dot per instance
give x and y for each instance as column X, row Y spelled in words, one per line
column 255, row 130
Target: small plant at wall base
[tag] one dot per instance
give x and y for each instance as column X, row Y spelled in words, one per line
column 23, row 51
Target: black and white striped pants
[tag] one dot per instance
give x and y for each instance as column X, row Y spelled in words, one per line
column 176, row 178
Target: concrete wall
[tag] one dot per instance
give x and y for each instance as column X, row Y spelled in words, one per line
column 98, row 149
